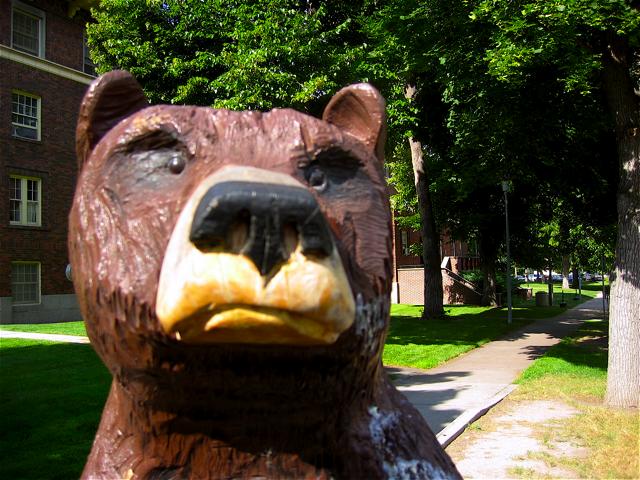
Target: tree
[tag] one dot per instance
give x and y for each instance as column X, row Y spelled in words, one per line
column 256, row 54
column 479, row 126
column 393, row 66
column 594, row 45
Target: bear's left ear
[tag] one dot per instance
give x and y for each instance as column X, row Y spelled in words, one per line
column 110, row 98
column 359, row 110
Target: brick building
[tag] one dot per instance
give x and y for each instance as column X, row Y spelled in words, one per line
column 456, row 256
column 44, row 72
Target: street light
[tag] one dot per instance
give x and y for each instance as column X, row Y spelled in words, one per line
column 506, row 187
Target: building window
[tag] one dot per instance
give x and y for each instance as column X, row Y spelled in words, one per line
column 25, row 116
column 27, row 24
column 25, row 282
column 404, row 239
column 25, row 201
column 88, row 66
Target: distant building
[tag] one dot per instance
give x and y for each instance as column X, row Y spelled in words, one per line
column 44, row 72
column 456, row 256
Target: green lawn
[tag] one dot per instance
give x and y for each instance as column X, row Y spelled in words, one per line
column 412, row 342
column 64, row 328
column 51, row 398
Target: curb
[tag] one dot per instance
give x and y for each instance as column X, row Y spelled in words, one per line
column 449, row 433
column 44, row 336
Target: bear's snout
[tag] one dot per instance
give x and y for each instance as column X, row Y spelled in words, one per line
column 263, row 221
column 252, row 260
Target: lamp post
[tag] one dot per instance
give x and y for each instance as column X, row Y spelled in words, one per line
column 505, row 190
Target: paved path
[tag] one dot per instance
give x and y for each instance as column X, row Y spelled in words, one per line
column 44, row 336
column 456, row 393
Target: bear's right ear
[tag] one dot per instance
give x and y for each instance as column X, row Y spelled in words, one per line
column 110, row 98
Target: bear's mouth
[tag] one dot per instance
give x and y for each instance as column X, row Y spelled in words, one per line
column 252, row 324
column 218, row 295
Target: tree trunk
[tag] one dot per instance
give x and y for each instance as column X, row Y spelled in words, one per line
column 488, row 259
column 430, row 236
column 623, row 381
column 575, row 281
column 565, row 272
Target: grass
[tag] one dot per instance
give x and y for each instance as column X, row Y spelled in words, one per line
column 575, row 371
column 51, row 398
column 64, row 328
column 412, row 342
column 416, row 343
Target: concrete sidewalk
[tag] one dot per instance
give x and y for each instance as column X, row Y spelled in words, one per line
column 458, row 392
column 44, row 336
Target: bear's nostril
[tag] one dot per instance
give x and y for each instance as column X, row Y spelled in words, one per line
column 239, row 232
column 264, row 222
column 290, row 238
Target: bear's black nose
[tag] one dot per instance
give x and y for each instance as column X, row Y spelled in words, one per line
column 263, row 221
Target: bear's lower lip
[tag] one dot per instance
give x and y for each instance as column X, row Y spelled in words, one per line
column 249, row 324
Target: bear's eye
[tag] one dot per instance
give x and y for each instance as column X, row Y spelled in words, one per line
column 317, row 179
column 176, row 163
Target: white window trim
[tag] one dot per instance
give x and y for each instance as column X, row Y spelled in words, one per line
column 47, row 66
column 28, row 9
column 39, row 301
column 404, row 239
column 39, row 123
column 23, row 202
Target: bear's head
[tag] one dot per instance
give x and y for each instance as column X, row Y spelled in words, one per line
column 231, row 262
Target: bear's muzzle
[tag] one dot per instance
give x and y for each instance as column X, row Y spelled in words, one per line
column 251, row 260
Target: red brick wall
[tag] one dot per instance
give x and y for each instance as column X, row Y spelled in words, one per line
column 5, row 22
column 63, row 34
column 52, row 159
column 411, row 286
column 411, row 289
column 406, row 260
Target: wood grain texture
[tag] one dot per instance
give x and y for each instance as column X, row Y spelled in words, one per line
column 238, row 411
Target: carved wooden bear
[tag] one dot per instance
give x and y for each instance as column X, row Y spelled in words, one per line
column 234, row 271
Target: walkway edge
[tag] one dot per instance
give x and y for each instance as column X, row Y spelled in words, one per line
column 455, row 428
column 43, row 336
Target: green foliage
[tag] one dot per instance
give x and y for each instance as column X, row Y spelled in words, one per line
column 505, row 91
column 225, row 53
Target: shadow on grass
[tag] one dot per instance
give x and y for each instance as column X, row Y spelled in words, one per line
column 586, row 348
column 51, row 400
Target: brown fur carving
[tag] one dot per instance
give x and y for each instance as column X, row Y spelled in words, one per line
column 233, row 269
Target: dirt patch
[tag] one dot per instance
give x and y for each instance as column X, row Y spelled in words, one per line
column 516, row 442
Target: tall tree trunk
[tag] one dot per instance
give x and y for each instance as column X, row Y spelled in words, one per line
column 575, row 281
column 623, row 381
column 430, row 236
column 565, row 272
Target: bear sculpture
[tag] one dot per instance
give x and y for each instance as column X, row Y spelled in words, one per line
column 233, row 270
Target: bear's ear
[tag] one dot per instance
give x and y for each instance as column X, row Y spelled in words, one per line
column 110, row 98
column 359, row 110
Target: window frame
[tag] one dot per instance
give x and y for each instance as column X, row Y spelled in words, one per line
column 23, row 222
column 38, row 127
column 38, row 300
column 30, row 11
